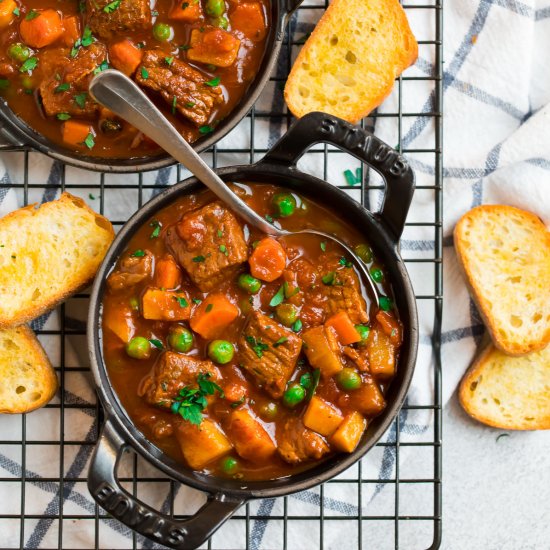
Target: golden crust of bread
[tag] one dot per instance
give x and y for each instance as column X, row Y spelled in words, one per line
column 505, row 255
column 507, row 392
column 349, row 64
column 28, row 379
column 48, row 253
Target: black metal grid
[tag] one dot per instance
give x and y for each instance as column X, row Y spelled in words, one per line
column 369, row 524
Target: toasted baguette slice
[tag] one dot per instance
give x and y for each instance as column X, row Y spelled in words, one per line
column 28, row 379
column 350, row 62
column 505, row 253
column 47, row 254
column 512, row 393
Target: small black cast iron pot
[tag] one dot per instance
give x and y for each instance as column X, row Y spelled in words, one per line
column 382, row 231
column 14, row 131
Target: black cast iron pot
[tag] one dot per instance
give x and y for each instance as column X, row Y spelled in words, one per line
column 382, row 231
column 15, row 131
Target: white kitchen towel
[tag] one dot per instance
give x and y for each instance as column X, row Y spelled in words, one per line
column 497, row 150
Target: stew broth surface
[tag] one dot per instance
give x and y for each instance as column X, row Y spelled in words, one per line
column 126, row 374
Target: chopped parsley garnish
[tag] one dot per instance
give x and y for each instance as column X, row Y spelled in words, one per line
column 87, row 37
column 257, row 346
column 223, row 249
column 198, row 259
column 190, row 104
column 206, row 129
column 345, row 262
column 157, row 343
column 239, row 402
column 169, row 60
column 184, row 47
column 144, row 73
column 209, row 308
column 89, row 141
column 269, row 218
column 4, row 83
column 103, row 66
column 329, row 278
column 220, row 233
column 174, row 104
column 280, row 342
column 279, row 297
column 290, row 291
column 61, row 88
column 63, row 116
column 181, row 301
column 297, row 326
column 80, row 99
column 214, row 82
column 112, row 6
column 32, row 15
column 156, row 231
column 191, row 402
column 16, row 12
column 138, row 254
column 324, row 246
column 29, row 65
column 197, row 301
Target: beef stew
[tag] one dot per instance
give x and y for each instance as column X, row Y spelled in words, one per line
column 195, row 59
column 242, row 356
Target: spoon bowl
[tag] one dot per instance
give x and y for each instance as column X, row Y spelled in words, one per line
column 122, row 96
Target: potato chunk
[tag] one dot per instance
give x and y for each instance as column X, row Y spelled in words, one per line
column 202, row 444
column 213, row 47
column 368, row 399
column 165, row 305
column 347, row 436
column 249, row 437
column 321, row 350
column 322, row 417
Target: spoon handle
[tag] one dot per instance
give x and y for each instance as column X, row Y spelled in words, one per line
column 123, row 97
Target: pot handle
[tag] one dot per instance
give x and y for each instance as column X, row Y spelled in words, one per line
column 181, row 534
column 392, row 166
column 292, row 6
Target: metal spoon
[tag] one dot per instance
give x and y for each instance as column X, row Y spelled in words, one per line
column 123, row 97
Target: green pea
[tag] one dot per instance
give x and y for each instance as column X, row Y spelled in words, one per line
column 294, row 395
column 249, row 283
column 364, row 252
column 385, row 303
column 215, row 8
column 139, row 348
column 269, row 411
column 27, row 82
column 287, row 314
column 222, row 22
column 348, row 379
column 19, row 52
column 134, row 303
column 162, row 32
column 363, row 331
column 377, row 275
column 221, row 351
column 230, row 465
column 284, row 204
column 180, row 339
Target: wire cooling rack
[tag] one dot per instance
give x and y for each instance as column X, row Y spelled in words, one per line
column 43, row 456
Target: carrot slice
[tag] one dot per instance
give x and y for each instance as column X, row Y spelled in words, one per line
column 187, row 12
column 345, row 329
column 125, row 56
column 42, row 30
column 6, row 12
column 71, row 27
column 214, row 314
column 268, row 261
column 167, row 273
column 75, row 132
column 165, row 305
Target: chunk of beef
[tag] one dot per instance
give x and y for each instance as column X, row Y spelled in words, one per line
column 69, row 94
column 343, row 293
column 183, row 87
column 171, row 373
column 131, row 271
column 129, row 16
column 269, row 352
column 297, row 444
column 209, row 243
